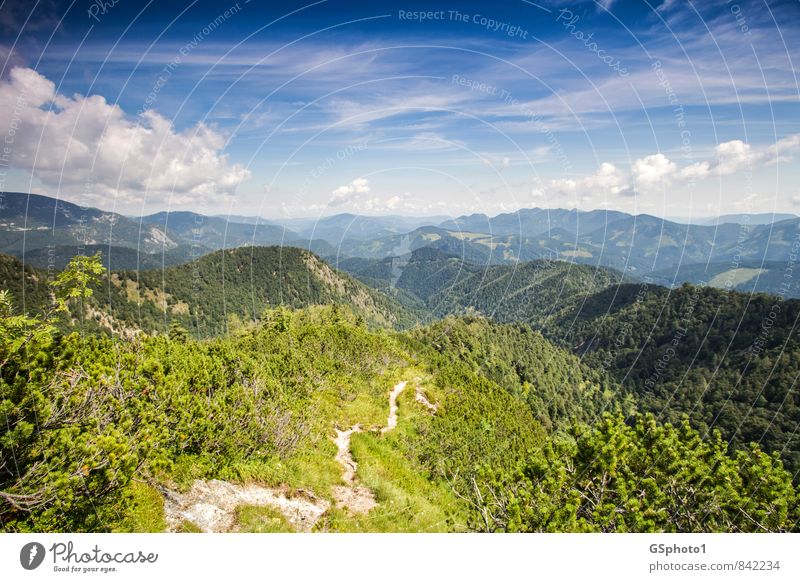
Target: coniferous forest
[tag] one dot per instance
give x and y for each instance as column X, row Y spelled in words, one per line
column 130, row 398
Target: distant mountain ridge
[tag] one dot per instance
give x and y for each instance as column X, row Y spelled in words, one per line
column 757, row 218
column 46, row 231
column 34, row 221
column 744, row 252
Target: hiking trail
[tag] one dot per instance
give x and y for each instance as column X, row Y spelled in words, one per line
column 359, row 499
column 211, row 504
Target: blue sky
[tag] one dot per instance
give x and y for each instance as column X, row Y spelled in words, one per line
column 291, row 109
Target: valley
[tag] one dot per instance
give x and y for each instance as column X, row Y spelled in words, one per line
column 262, row 389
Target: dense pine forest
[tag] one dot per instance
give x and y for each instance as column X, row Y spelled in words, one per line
column 291, row 396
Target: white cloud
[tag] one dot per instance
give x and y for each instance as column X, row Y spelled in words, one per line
column 608, row 180
column 732, row 156
column 91, row 149
column 497, row 164
column 349, row 192
column 423, row 141
column 651, row 171
column 655, row 170
column 357, row 197
column 358, row 113
column 729, row 157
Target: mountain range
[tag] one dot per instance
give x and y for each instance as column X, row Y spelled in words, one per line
column 749, row 253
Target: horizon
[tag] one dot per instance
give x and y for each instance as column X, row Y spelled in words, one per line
column 441, row 217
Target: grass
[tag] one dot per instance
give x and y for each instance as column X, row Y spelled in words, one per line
column 145, row 511
column 312, row 468
column 407, row 500
column 187, row 526
column 734, row 277
column 253, row 519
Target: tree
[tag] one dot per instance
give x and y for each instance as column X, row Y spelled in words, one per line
column 38, row 411
column 640, row 477
column 75, row 282
column 178, row 333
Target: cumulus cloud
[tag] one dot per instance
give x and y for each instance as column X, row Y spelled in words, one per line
column 349, row 192
column 732, row 156
column 92, row 149
column 608, row 180
column 357, row 197
column 657, row 170
column 652, row 170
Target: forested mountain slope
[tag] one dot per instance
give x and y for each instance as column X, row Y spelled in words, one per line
column 446, row 284
column 310, row 420
column 236, row 286
column 222, row 289
column 27, row 286
column 728, row 360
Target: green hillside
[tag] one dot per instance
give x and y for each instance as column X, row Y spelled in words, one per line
column 27, row 285
column 235, row 286
column 727, row 360
column 524, row 292
column 312, row 420
column 773, row 277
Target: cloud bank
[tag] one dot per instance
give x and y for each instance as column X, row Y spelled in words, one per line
column 653, row 172
column 90, row 149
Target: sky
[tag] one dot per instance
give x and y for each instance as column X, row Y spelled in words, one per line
column 295, row 109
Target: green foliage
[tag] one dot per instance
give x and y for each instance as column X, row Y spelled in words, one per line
column 178, row 333
column 75, row 282
column 727, row 360
column 557, row 386
column 27, row 287
column 643, row 478
column 519, row 440
column 62, row 446
column 18, row 332
column 89, row 414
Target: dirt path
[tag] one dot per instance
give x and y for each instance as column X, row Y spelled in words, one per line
column 211, row 505
column 391, row 422
column 350, row 497
column 420, row 397
column 343, row 456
